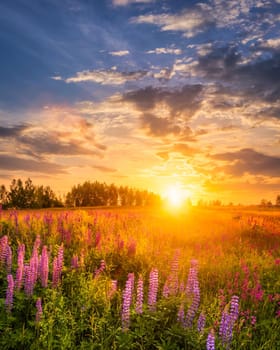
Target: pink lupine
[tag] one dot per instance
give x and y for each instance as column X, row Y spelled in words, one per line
column 153, row 289
column 139, row 297
column 44, row 267
column 39, row 310
column 9, row 293
column 20, row 268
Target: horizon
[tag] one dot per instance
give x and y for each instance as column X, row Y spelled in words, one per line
column 158, row 95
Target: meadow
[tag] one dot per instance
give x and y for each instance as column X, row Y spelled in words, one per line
column 140, row 279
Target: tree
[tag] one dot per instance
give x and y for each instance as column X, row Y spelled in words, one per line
column 277, row 202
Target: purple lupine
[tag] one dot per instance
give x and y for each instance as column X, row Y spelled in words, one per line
column 181, row 315
column 9, row 259
column 39, row 310
column 127, row 300
column 194, row 305
column 227, row 321
column 153, row 289
column 20, row 268
column 234, row 307
column 201, row 322
column 225, row 328
column 30, row 275
column 139, row 297
column 210, row 344
column 9, row 293
column 44, row 267
column 192, row 278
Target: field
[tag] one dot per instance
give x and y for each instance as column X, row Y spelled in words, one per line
column 140, row 279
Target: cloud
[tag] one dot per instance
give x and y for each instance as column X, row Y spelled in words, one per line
column 157, row 126
column 104, row 169
column 52, row 143
column 6, row 132
column 21, row 164
column 106, row 77
column 273, row 44
column 249, row 161
column 186, row 99
column 190, row 22
column 119, row 53
column 162, row 50
column 129, row 2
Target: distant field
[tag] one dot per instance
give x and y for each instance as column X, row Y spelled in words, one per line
column 140, row 278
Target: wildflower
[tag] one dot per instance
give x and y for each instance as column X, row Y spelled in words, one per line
column 127, row 299
column 20, row 269
column 139, row 298
column 194, row 306
column 201, row 323
column 153, row 289
column 210, row 345
column 181, row 315
column 9, row 293
column 227, row 321
column 44, row 267
column 39, row 311
column 192, row 278
column 57, row 267
column 9, row 257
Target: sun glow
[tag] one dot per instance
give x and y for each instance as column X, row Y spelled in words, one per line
column 176, row 196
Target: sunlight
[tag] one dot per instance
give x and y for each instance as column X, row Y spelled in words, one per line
column 176, row 196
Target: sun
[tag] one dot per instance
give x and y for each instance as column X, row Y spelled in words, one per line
column 176, row 196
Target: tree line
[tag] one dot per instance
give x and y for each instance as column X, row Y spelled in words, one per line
column 26, row 195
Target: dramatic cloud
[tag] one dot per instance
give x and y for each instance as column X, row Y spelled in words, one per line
column 249, row 161
column 21, row 164
column 119, row 53
column 106, row 77
column 162, row 50
column 187, row 99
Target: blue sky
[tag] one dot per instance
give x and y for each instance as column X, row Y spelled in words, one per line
column 147, row 93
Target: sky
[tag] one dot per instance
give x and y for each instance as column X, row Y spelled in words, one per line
column 144, row 93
